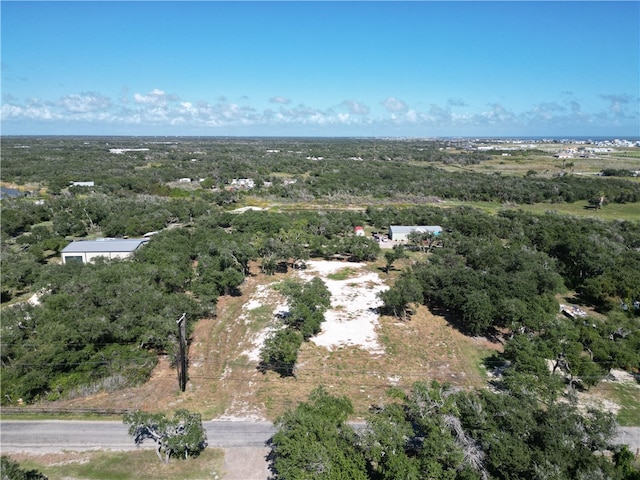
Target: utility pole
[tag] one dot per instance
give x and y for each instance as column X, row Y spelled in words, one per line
column 182, row 352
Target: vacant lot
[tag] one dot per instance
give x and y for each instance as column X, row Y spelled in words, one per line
column 358, row 353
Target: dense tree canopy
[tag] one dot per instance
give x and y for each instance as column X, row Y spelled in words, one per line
column 314, row 442
column 436, row 431
column 503, row 274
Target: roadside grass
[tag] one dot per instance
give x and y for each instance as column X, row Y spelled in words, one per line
column 138, row 464
column 51, row 415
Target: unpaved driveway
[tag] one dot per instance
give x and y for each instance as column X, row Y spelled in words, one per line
column 246, row 463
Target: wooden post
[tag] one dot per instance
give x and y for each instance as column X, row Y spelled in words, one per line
column 182, row 353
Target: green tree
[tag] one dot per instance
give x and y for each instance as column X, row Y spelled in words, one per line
column 402, row 297
column 280, row 351
column 423, row 241
column 313, row 441
column 478, row 312
column 527, row 369
column 181, row 436
column 11, row 470
column 390, row 256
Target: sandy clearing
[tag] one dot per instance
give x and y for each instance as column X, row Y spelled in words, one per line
column 352, row 318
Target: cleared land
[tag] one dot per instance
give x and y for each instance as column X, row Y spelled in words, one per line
column 359, row 353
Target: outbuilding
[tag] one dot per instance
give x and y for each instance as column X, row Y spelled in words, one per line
column 400, row 233
column 86, row 251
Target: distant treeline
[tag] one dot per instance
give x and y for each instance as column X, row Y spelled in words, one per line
column 287, row 169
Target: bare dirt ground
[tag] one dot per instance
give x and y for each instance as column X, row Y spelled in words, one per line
column 246, row 463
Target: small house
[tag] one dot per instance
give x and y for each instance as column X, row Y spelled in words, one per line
column 359, row 231
column 85, row 251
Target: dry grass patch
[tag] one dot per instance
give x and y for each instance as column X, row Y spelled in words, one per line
column 423, row 348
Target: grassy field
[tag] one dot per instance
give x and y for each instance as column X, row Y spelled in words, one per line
column 139, row 464
column 610, row 212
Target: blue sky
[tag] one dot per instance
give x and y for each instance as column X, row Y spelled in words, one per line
column 402, row 69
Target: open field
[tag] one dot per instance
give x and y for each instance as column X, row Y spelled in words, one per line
column 610, row 212
column 543, row 164
column 622, row 393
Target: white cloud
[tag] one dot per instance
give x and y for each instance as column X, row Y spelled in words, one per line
column 355, row 108
column 157, row 110
column 439, row 114
column 547, row 110
column 85, row 102
column 281, row 100
column 34, row 109
column 619, row 105
column 156, row 97
column 498, row 115
column 392, row 104
column 412, row 116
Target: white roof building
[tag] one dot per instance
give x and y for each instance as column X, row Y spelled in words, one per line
column 401, row 232
column 86, row 251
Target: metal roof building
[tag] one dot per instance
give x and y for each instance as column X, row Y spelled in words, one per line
column 86, row 250
column 401, row 232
